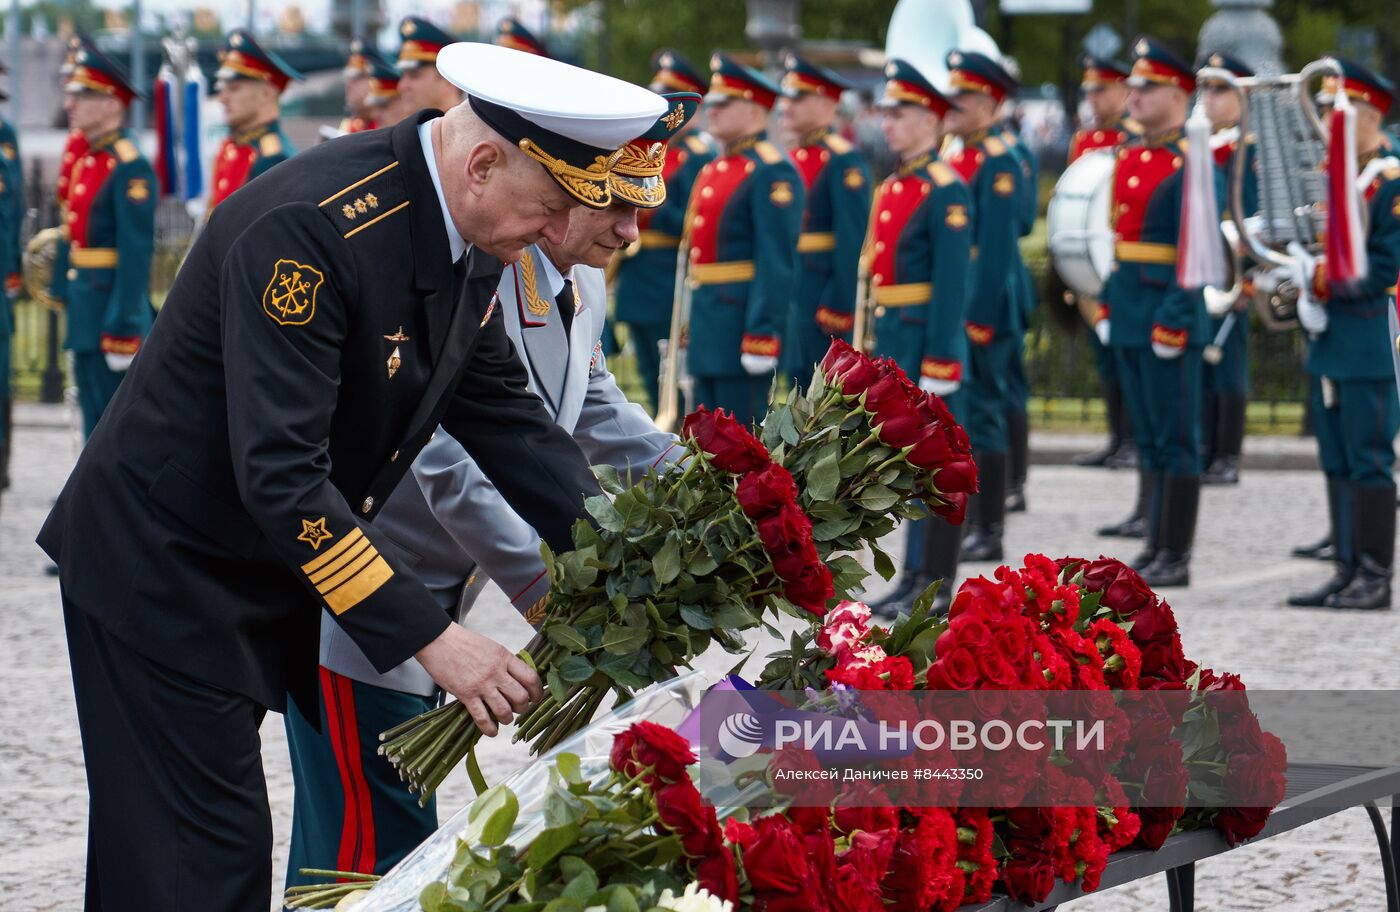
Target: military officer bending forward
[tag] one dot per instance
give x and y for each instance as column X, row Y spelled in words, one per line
column 317, row 334
column 454, row 529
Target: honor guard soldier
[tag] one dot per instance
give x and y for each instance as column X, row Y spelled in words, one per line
column 359, row 70
column 111, row 228
column 1105, row 85
column 1225, row 390
column 995, row 321
column 645, row 289
column 384, row 100
column 742, row 226
column 1156, row 328
column 837, row 181
column 250, row 81
column 11, row 230
column 420, row 83
column 510, row 33
column 918, row 255
column 1350, row 366
column 1018, row 427
column 74, row 148
column 462, row 533
column 317, row 334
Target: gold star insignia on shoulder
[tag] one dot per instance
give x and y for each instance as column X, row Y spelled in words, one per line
column 314, row 533
column 348, row 211
column 371, row 201
column 360, row 206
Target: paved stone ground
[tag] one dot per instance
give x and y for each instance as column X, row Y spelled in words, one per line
column 1231, row 619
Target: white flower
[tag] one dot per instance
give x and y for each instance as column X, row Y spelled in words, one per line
column 694, row 899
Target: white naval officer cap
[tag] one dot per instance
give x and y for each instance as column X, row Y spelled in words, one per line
column 571, row 120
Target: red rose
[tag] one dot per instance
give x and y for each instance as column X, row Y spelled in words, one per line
column 648, row 746
column 1157, row 824
column 1237, row 824
column 888, row 396
column 730, row 445
column 790, row 561
column 717, row 874
column 1029, row 876
column 784, row 529
column 957, row 477
column 955, row 671
column 812, row 590
column 848, row 369
column 685, row 814
column 952, row 507
column 1123, row 590
column 931, row 449
column 897, row 426
column 766, row 490
column 774, row 860
column 855, row 891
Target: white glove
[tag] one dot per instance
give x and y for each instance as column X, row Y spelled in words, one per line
column 1312, row 316
column 754, row 365
column 117, row 363
column 1101, row 330
column 1166, row 352
column 938, row 387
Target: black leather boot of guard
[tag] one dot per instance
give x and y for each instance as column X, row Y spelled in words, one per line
column 1113, row 405
column 1126, row 456
column 1135, row 526
column 7, row 415
column 1326, row 548
column 1151, row 506
column 942, row 549
column 1018, row 426
column 1338, row 542
column 1210, row 426
column 983, row 541
column 911, row 579
column 1180, row 505
column 1373, row 515
column 1224, row 466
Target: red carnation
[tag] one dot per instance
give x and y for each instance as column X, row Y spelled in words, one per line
column 1029, row 875
column 730, row 445
column 766, row 490
column 647, row 746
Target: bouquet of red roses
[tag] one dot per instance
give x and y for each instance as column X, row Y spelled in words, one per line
column 743, row 527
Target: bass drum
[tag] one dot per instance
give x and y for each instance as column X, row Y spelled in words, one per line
column 1081, row 236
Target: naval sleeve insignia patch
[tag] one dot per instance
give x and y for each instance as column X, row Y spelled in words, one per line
column 314, row 533
column 290, row 296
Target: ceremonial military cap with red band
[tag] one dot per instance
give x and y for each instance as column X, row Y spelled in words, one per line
column 383, row 81
column 510, row 33
column 422, row 42
column 1156, row 64
column 731, row 79
column 904, row 84
column 970, row 71
column 636, row 178
column 802, row 77
column 670, row 72
column 94, row 71
column 361, row 60
column 1100, row 71
column 1222, row 61
column 1361, row 85
column 70, row 52
column 243, row 58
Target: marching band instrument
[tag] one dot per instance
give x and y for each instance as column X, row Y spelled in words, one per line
column 863, row 331
column 675, row 378
column 1080, row 230
column 39, row 256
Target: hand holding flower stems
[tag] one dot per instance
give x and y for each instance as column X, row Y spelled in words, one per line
column 693, row 556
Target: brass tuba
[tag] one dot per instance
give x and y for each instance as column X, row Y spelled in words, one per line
column 40, row 254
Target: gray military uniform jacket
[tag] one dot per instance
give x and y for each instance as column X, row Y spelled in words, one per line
column 450, row 524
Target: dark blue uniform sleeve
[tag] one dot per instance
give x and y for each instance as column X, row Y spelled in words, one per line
column 1382, row 251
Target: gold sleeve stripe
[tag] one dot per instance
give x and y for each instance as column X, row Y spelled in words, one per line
column 331, row 553
column 364, row 180
column 377, row 218
column 360, row 587
column 346, row 571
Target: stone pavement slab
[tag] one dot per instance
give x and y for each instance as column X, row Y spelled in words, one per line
column 1232, row 618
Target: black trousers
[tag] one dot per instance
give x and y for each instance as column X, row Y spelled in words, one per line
column 177, row 804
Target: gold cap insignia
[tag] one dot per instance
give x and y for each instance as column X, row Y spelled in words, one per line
column 314, row 533
column 290, row 296
column 1141, row 47
column 236, row 40
column 715, row 62
column 674, row 120
column 954, row 59
column 1215, row 60
column 408, row 27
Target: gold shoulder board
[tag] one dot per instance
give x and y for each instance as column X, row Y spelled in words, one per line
column 994, row 146
column 768, row 153
column 126, row 150
column 838, row 143
column 270, row 145
column 367, row 201
column 697, row 145
column 942, row 174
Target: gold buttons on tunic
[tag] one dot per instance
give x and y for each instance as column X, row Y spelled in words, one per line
column 367, row 505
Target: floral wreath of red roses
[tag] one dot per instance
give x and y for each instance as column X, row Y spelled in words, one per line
column 768, row 496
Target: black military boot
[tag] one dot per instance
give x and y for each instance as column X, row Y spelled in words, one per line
column 1135, row 526
column 1180, row 504
column 1325, row 549
column 1373, row 524
column 1018, row 428
column 983, row 541
column 7, row 436
column 1338, row 542
column 1113, row 404
column 1151, row 502
column 1210, row 426
column 911, row 579
column 942, row 549
column 1224, row 467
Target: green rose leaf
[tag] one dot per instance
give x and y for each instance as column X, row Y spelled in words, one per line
column 567, row 637
column 666, row 564
column 825, row 476
column 877, row 498
column 601, row 508
column 549, row 844
column 575, row 669
column 620, row 640
column 696, row 617
column 491, row 817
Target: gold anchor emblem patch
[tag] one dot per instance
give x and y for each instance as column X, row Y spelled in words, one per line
column 290, row 296
column 395, row 361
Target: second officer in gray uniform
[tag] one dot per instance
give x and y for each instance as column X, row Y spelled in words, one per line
column 454, row 530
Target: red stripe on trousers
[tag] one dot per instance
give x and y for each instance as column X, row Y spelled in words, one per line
column 357, row 820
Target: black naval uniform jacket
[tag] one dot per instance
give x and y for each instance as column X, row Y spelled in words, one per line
column 314, row 338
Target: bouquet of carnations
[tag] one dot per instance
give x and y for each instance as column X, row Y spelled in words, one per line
column 742, row 527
